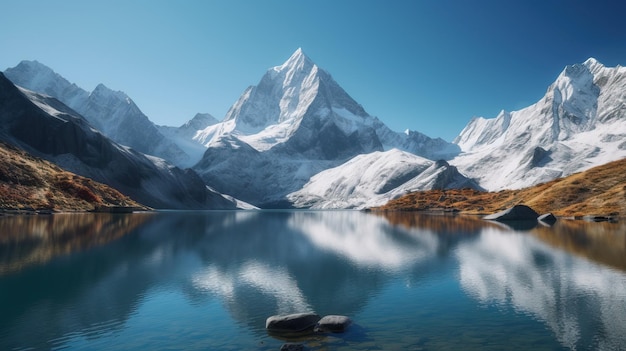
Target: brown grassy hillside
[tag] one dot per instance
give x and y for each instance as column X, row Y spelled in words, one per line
column 30, row 183
column 599, row 191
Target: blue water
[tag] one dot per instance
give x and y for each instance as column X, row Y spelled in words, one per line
column 208, row 281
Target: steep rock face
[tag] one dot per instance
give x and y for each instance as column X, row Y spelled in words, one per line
column 578, row 124
column 300, row 122
column 49, row 129
column 111, row 112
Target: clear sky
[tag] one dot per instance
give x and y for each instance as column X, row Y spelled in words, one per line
column 425, row 65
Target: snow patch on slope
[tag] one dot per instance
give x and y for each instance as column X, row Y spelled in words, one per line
column 373, row 179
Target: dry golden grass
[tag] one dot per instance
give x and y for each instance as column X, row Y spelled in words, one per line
column 30, row 183
column 597, row 191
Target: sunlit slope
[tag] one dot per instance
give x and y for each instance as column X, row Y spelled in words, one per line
column 27, row 182
column 600, row 190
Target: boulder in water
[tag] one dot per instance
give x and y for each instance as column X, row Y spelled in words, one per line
column 515, row 213
column 333, row 324
column 291, row 323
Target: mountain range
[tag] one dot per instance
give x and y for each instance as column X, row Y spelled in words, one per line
column 297, row 139
column 49, row 129
column 111, row 112
column 578, row 124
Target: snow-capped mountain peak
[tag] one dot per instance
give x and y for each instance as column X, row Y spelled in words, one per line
column 38, row 77
column 103, row 91
column 295, row 101
column 200, row 121
column 297, row 61
column 283, row 95
column 578, row 123
column 593, row 64
column 297, row 122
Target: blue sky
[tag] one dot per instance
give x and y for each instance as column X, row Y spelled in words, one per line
column 423, row 65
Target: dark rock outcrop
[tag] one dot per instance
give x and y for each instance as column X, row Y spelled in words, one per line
column 515, row 213
column 547, row 218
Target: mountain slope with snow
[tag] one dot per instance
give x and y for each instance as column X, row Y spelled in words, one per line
column 111, row 112
column 47, row 128
column 578, row 124
column 294, row 124
column 374, row 179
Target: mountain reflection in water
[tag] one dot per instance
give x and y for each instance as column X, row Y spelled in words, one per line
column 28, row 240
column 211, row 278
column 513, row 268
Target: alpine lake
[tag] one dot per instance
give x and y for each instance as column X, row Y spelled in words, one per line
column 208, row 280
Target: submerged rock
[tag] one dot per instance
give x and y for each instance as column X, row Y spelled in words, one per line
column 292, row 347
column 332, row 324
column 515, row 213
column 292, row 323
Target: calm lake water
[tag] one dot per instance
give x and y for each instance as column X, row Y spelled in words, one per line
column 208, row 281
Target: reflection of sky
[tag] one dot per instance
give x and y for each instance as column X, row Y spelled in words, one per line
column 365, row 240
column 580, row 301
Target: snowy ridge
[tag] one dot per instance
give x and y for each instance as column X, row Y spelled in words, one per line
column 112, row 112
column 374, row 179
column 47, row 128
column 37, row 77
column 578, row 124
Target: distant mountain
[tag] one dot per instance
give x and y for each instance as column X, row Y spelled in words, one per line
column 47, row 128
column 183, row 137
column 198, row 122
column 373, row 179
column 578, row 124
column 111, row 112
column 294, row 124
